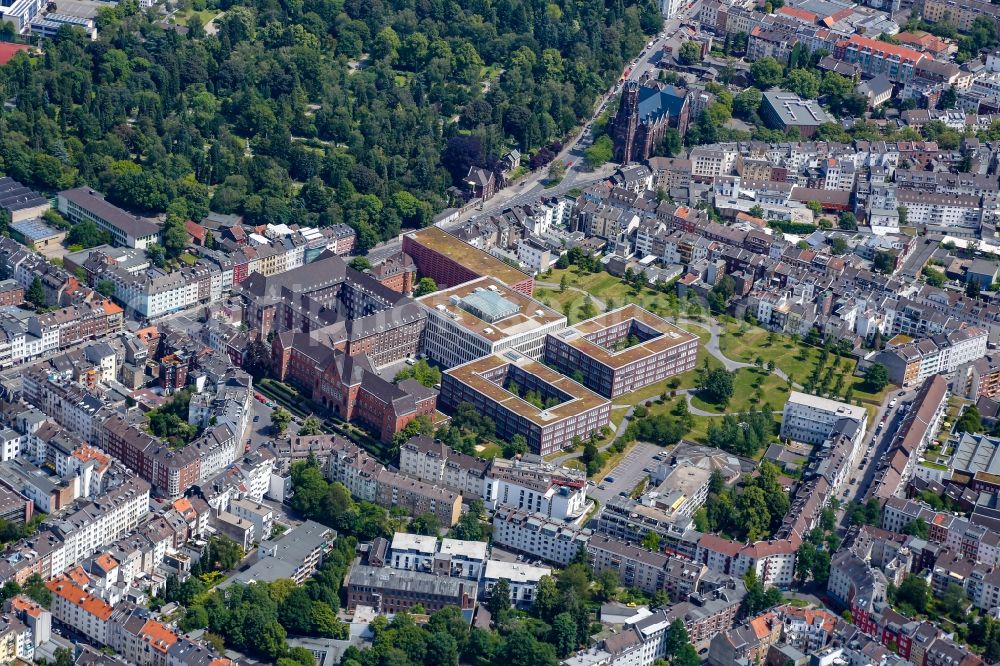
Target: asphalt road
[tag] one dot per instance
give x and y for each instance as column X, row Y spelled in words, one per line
column 877, row 445
column 627, row 473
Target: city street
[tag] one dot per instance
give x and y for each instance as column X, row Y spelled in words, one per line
column 877, row 446
column 627, row 473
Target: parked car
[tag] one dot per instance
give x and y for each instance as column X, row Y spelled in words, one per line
column 609, row 479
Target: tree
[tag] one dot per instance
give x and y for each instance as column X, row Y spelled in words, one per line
column 838, row 245
column 35, row 293
column 689, row 53
column 766, row 72
column 877, row 377
column 970, row 420
column 64, row 657
column 360, row 264
column 746, row 103
column 885, row 261
column 280, row 418
column 422, row 371
column 918, row 528
column 499, row 602
column 717, row 386
column 557, row 171
column 651, row 541
column 848, row 221
column 599, row 152
column 311, row 426
column 425, row 286
column 258, row 359
column 563, row 634
column 87, row 234
column 803, row 83
column 972, row 289
column 954, row 602
column 426, row 523
column 913, row 592
column 934, row 277
column 106, row 288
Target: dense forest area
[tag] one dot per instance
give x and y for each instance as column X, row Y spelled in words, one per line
column 310, row 111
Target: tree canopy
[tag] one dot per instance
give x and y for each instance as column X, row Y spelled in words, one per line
column 317, row 112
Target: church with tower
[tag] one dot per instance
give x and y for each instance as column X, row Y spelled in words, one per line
column 646, row 111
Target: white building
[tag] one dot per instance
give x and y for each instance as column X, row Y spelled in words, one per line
column 811, row 419
column 261, row 515
column 536, row 487
column 484, row 317
column 538, row 536
column 522, row 578
column 460, row 558
column 413, row 552
column 79, row 609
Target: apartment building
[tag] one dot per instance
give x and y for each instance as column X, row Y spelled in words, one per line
column 651, row 571
column 449, row 557
column 536, row 487
column 500, row 386
column 483, row 317
column 811, row 419
column 538, row 536
column 622, row 351
column 79, row 609
column 301, row 550
column 349, row 464
column 942, row 353
column 124, row 228
column 962, row 13
column 259, row 515
column 773, row 561
column 876, row 57
column 417, row 497
column 522, row 580
column 435, row 462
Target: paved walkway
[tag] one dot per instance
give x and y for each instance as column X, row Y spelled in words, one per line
column 712, row 347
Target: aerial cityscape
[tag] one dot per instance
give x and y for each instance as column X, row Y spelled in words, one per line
column 510, row 333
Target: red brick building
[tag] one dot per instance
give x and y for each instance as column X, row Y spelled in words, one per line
column 349, row 386
column 450, row 261
column 169, row 471
column 397, row 272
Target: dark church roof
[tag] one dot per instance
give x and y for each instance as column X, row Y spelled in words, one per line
column 655, row 102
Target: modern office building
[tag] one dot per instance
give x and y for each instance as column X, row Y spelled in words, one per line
column 622, row 351
column 483, row 317
column 83, row 203
column 524, row 397
column 785, row 110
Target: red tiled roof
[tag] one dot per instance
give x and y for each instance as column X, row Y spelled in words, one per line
column 798, row 13
column 902, row 52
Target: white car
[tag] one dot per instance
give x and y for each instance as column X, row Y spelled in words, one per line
column 892, row 403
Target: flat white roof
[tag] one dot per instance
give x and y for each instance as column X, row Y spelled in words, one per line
column 515, row 572
column 825, row 404
column 418, row 542
column 473, row 550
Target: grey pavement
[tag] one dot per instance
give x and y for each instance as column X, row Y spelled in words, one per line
column 627, row 473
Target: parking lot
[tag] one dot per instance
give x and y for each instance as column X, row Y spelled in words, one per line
column 626, row 473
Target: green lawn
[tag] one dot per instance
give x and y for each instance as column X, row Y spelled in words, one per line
column 795, row 359
column 772, row 390
column 603, row 286
column 184, row 17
